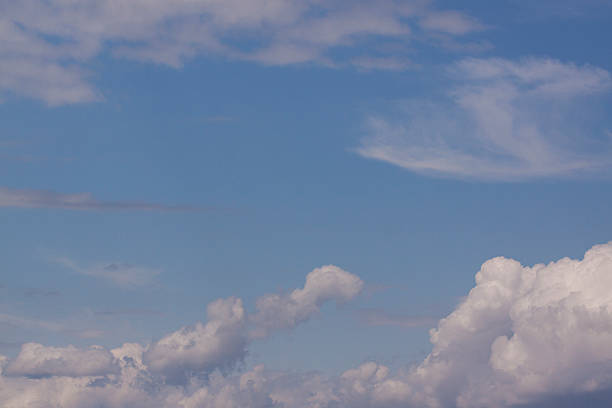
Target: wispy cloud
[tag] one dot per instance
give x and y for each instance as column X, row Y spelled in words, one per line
column 451, row 22
column 26, row 198
column 500, row 120
column 48, row 325
column 38, row 292
column 369, row 63
column 122, row 274
column 377, row 317
column 128, row 312
column 28, row 323
column 47, row 43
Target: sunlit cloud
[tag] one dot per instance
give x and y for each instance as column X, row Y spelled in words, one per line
column 500, row 120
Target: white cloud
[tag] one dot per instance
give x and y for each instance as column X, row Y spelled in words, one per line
column 27, row 198
column 47, row 45
column 523, row 335
column 501, row 120
column 36, row 360
column 120, row 273
column 202, row 348
column 286, row 311
column 221, row 343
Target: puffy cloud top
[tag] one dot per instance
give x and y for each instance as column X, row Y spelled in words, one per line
column 523, row 336
column 322, row 285
column 201, row 348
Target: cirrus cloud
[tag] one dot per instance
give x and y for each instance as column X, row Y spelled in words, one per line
column 501, row 120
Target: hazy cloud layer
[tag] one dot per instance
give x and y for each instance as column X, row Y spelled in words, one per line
column 26, row 198
column 48, row 44
column 501, row 120
column 524, row 336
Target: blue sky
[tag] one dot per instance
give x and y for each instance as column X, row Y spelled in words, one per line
column 155, row 158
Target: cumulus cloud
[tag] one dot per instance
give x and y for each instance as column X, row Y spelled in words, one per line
column 526, row 336
column 27, row 198
column 221, row 343
column 323, row 284
column 36, row 360
column 48, row 45
column 501, row 120
column 202, row 348
column 522, row 335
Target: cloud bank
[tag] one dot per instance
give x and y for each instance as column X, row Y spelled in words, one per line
column 48, row 44
column 526, row 336
column 501, row 120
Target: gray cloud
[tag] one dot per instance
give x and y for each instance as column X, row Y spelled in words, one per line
column 128, row 312
column 120, row 273
column 375, row 317
column 22, row 198
column 38, row 292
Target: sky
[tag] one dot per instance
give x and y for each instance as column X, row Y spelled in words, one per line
column 280, row 203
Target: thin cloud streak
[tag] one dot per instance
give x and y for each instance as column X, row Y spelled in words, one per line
column 27, row 198
column 119, row 273
column 376, row 317
column 46, row 325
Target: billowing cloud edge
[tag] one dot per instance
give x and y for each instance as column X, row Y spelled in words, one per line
column 523, row 336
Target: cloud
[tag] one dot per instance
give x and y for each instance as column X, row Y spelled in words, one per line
column 451, row 22
column 221, row 342
column 374, row 317
column 530, row 336
column 323, row 284
column 122, row 274
column 19, row 321
column 41, row 324
column 38, row 292
column 36, row 361
column 48, row 45
column 382, row 63
column 501, row 120
column 21, row 198
column 202, row 348
column 128, row 312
